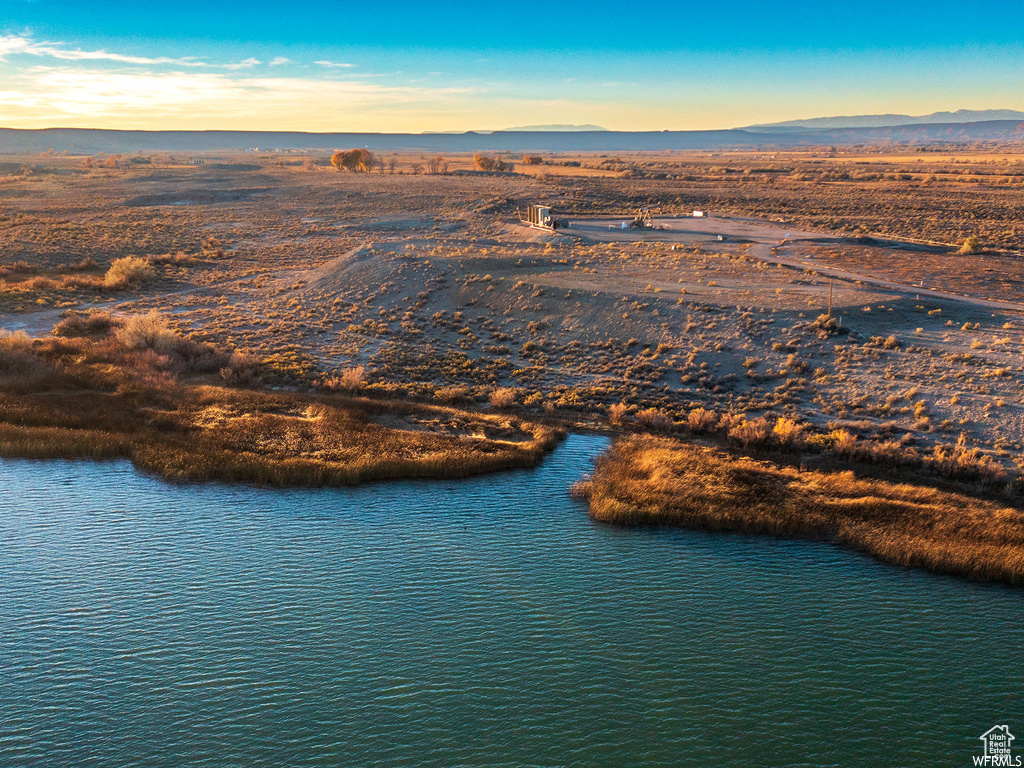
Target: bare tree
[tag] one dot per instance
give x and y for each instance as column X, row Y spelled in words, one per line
column 437, row 165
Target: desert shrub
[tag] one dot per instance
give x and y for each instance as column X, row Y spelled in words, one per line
column 352, row 379
column 487, row 163
column 329, row 383
column 752, row 434
column 178, row 258
column 533, row 160
column 131, row 270
column 891, row 453
column 844, row 442
column 827, row 326
column 617, row 413
column 15, row 341
column 40, row 283
column 959, row 461
column 971, row 244
column 503, row 397
column 196, row 357
column 701, row 420
column 213, row 248
column 89, row 323
column 64, row 283
column 81, row 282
column 242, row 370
column 729, row 420
column 535, row 399
column 17, row 361
column 794, row 363
column 357, row 160
column 890, row 342
column 652, row 418
column 456, row 393
column 149, row 331
column 789, row 433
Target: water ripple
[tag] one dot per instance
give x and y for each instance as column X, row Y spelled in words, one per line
column 464, row 623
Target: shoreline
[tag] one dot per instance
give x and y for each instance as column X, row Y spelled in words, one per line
column 648, row 480
column 157, row 405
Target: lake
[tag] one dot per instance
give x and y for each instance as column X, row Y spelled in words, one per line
column 481, row 622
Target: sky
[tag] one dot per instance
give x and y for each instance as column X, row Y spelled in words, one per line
column 454, row 66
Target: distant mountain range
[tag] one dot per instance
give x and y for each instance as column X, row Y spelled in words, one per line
column 525, row 128
column 555, row 128
column 888, row 121
column 89, row 141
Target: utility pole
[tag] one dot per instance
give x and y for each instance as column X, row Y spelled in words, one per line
column 830, row 299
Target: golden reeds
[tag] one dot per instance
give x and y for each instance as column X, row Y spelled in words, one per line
column 648, row 480
column 108, row 398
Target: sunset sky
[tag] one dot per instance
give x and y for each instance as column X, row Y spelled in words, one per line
column 402, row 66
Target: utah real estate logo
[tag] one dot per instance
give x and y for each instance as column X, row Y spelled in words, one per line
column 997, row 742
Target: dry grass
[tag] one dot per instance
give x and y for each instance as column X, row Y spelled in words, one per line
column 647, row 480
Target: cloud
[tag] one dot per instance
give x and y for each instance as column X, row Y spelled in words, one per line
column 244, row 64
column 14, row 44
column 334, row 64
column 20, row 45
column 47, row 84
column 47, row 96
column 11, row 45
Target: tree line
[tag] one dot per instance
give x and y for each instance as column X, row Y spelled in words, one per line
column 364, row 161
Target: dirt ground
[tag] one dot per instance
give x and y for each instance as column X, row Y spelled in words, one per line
column 431, row 284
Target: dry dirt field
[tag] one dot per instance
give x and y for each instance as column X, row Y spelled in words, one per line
column 429, row 283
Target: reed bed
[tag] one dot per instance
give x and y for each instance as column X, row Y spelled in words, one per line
column 649, row 480
column 107, row 398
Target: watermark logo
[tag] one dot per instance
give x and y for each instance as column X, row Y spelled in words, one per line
column 998, row 746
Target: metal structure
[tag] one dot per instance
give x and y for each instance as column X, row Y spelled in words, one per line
column 642, row 220
column 539, row 217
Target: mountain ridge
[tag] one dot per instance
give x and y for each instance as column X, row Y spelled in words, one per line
column 91, row 140
column 960, row 116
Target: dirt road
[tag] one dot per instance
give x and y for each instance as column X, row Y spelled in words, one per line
column 762, row 240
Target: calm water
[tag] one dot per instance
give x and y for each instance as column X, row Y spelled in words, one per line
column 472, row 623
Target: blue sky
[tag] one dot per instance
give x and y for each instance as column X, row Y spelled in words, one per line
column 402, row 66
